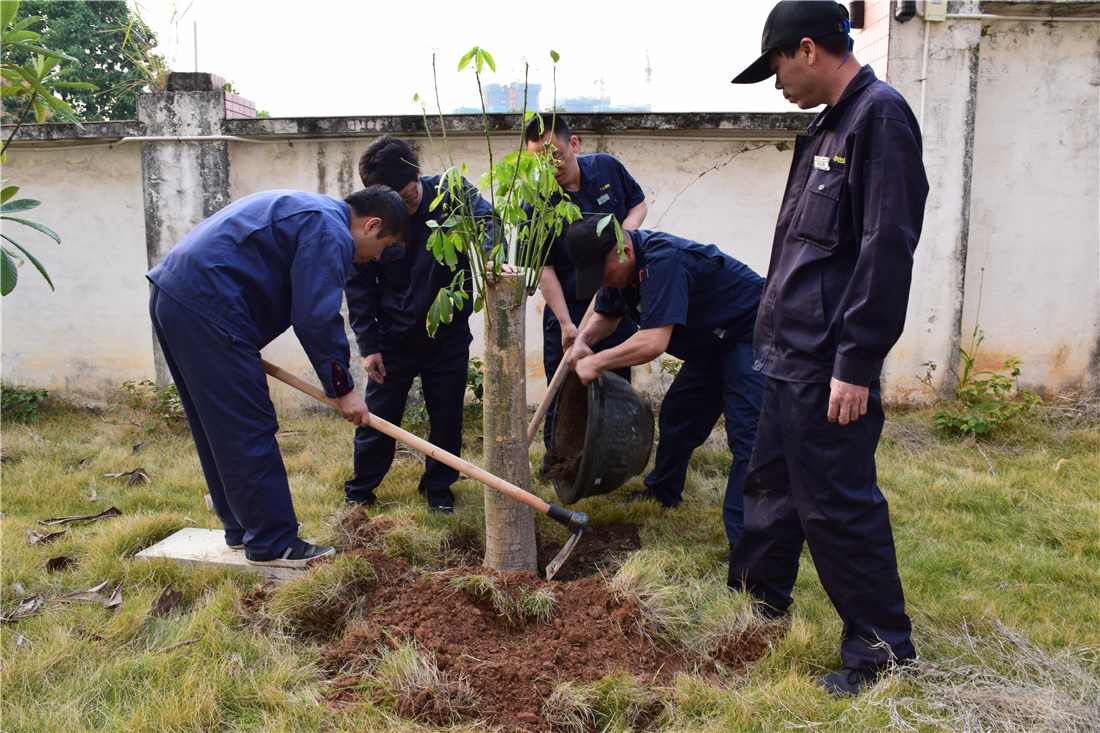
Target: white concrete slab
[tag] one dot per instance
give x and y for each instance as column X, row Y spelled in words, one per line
column 206, row 547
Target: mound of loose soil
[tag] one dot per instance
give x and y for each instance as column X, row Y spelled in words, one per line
column 509, row 664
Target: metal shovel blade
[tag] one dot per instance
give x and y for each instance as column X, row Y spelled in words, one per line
column 559, row 559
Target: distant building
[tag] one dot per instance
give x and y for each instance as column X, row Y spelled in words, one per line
column 596, row 104
column 506, row 98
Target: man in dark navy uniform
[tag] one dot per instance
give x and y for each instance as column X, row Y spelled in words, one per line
column 698, row 304
column 388, row 304
column 834, row 305
column 259, row 266
column 595, row 183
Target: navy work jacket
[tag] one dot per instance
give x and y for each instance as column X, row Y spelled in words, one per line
column 388, row 301
column 606, row 188
column 265, row 263
column 709, row 298
column 842, row 258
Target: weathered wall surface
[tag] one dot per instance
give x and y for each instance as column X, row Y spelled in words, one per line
column 93, row 333
column 1011, row 119
column 1011, row 124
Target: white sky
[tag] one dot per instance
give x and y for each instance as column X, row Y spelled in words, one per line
column 368, row 57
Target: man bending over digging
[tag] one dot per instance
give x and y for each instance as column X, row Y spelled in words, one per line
column 239, row 279
column 698, row 304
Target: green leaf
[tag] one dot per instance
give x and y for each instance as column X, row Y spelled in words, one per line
column 13, row 91
column 42, row 51
column 416, row 98
column 489, row 60
column 36, row 225
column 465, row 60
column 603, row 224
column 554, row 56
column 9, row 273
column 7, row 14
column 38, row 265
column 7, row 193
column 10, row 207
column 478, row 304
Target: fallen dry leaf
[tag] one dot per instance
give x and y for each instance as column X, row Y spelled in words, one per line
column 209, row 503
column 57, row 563
column 112, row 512
column 28, row 607
column 94, row 496
column 116, row 597
column 1061, row 462
column 83, row 464
column 92, row 595
column 41, row 536
column 168, row 600
column 137, row 475
column 139, row 446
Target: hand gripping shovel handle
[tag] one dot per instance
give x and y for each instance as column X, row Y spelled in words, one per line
column 559, row 377
column 575, row 522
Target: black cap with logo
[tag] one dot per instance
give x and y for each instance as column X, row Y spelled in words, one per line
column 789, row 22
column 588, row 250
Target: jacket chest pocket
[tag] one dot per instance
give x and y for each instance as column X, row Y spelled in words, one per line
column 818, row 220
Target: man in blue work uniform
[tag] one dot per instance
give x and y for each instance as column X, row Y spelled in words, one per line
column 259, row 266
column 388, row 304
column 834, row 305
column 595, row 183
column 695, row 302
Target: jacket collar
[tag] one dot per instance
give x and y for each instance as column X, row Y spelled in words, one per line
column 831, row 115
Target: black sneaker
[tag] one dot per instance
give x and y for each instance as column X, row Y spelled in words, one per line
column 845, row 682
column 241, row 546
column 441, row 509
column 645, row 495
column 297, row 555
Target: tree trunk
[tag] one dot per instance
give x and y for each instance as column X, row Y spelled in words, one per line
column 509, row 525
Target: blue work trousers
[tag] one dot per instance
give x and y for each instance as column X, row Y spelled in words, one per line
column 813, row 480
column 442, row 369
column 223, row 389
column 700, row 393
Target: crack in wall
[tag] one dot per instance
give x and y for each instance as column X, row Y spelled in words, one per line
column 717, row 166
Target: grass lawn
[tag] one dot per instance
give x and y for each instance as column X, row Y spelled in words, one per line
column 998, row 544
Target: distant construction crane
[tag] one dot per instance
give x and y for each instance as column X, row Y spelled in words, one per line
column 648, row 83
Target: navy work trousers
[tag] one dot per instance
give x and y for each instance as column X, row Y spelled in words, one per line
column 442, row 369
column 700, row 393
column 813, row 480
column 223, row 389
column 552, row 355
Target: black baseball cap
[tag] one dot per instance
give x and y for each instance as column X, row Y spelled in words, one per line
column 789, row 22
column 588, row 250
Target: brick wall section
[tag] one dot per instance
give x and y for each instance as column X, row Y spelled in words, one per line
column 236, row 107
column 873, row 41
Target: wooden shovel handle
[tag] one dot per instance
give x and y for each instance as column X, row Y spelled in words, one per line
column 419, row 444
column 559, row 377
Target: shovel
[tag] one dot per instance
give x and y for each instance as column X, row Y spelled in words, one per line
column 575, row 522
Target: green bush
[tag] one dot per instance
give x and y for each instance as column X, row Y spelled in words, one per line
column 19, row 403
column 147, row 405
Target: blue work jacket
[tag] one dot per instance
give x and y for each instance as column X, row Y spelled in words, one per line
column 709, row 298
column 606, row 188
column 842, row 258
column 388, row 301
column 265, row 263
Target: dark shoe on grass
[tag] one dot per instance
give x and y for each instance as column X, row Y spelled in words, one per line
column 645, row 495
column 241, row 546
column 441, row 509
column 845, row 682
column 297, row 555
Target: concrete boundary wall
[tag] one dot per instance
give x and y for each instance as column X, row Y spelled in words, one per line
column 1011, row 149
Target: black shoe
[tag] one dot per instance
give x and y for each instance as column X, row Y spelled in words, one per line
column 845, row 682
column 364, row 501
column 297, row 555
column 645, row 495
column 241, row 546
column 441, row 509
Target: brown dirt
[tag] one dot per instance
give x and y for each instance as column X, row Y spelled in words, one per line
column 508, row 664
column 600, row 548
column 491, row 663
column 563, row 466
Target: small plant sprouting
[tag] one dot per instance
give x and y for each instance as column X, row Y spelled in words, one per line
column 147, row 406
column 984, row 399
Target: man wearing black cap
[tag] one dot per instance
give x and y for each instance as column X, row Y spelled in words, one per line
column 695, row 302
column 834, row 305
